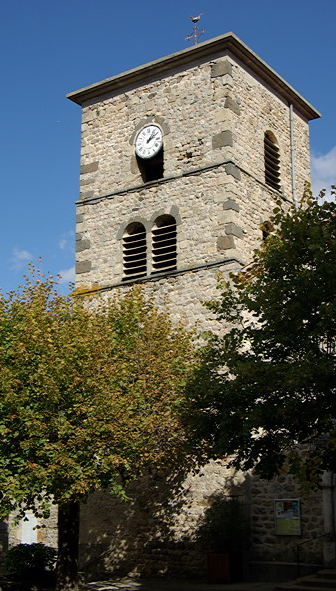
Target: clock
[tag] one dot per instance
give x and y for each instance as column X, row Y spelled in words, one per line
column 149, row 141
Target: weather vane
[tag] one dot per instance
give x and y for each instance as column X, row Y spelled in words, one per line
column 195, row 34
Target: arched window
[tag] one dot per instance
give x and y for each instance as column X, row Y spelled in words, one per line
column 164, row 244
column 135, row 251
column 272, row 161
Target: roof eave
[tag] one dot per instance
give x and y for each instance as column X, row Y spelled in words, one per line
column 229, row 42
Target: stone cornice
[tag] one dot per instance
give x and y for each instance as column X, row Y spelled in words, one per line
column 231, row 168
column 157, row 276
column 225, row 44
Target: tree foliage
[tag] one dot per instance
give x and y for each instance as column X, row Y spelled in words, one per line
column 90, row 395
column 269, row 383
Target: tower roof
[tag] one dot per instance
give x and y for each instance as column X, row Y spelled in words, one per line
column 228, row 44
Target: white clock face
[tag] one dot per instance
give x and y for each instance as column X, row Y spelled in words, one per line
column 149, row 141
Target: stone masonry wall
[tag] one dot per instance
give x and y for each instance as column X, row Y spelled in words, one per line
column 45, row 532
column 262, row 110
column 207, row 111
column 156, row 532
column 218, row 217
column 265, row 544
column 214, row 114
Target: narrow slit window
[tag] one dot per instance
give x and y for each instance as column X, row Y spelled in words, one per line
column 272, row 161
column 164, row 236
column 135, row 251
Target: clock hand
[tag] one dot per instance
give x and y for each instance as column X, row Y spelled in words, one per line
column 152, row 135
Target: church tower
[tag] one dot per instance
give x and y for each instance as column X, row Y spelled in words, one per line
column 182, row 160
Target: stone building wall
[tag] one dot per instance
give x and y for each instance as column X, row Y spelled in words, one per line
column 262, row 109
column 33, row 530
column 157, row 532
column 213, row 125
column 214, row 111
column 209, row 112
column 218, row 217
column 265, row 544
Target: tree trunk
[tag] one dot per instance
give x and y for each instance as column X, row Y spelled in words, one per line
column 68, row 540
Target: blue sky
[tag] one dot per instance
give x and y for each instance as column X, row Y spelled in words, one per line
column 49, row 48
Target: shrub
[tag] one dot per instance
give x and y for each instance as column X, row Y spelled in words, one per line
column 27, row 560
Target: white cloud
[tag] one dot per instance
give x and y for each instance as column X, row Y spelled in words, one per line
column 323, row 170
column 67, row 275
column 62, row 243
column 66, row 242
column 20, row 258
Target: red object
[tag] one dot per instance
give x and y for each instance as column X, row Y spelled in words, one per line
column 218, row 567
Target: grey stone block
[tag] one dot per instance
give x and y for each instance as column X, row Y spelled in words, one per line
column 231, row 104
column 174, row 211
column 221, row 68
column 92, row 167
column 134, row 165
column 232, row 228
column 79, row 218
column 137, row 128
column 86, row 194
column 231, row 204
column 165, row 127
column 222, row 139
column 233, row 170
column 225, row 242
column 84, row 182
column 132, row 220
column 83, row 267
column 82, row 245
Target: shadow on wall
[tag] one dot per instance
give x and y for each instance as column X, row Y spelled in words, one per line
column 223, row 534
column 159, row 531
column 3, row 540
column 170, row 523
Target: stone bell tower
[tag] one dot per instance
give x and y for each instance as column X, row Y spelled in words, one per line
column 182, row 160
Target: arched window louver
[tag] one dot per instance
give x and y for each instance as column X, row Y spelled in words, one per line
column 164, row 244
column 135, row 251
column 272, row 161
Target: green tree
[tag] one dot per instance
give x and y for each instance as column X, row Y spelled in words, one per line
column 89, row 397
column 269, row 383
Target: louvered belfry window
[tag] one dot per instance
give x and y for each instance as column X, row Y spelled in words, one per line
column 135, row 251
column 164, row 244
column 272, row 161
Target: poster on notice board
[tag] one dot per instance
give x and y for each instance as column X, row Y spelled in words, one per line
column 287, row 517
